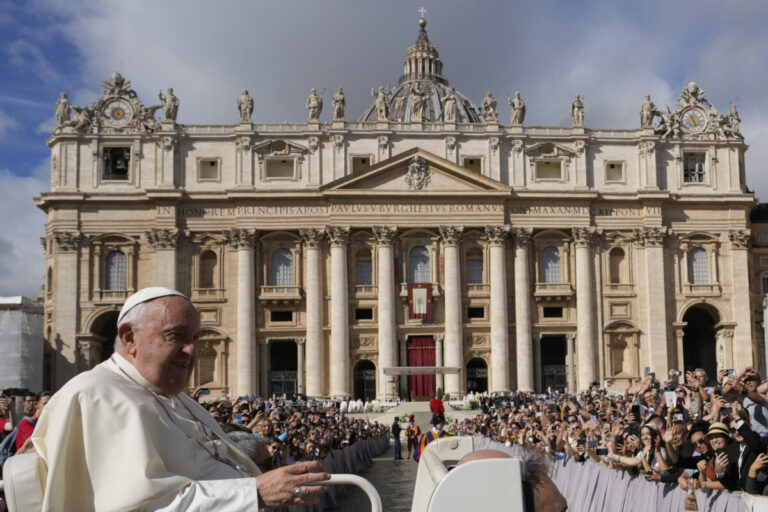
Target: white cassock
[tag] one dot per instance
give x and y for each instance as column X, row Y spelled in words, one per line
column 113, row 441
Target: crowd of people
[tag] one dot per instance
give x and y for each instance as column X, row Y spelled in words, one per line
column 685, row 430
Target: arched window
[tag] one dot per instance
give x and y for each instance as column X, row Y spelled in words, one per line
column 550, row 265
column 419, row 264
column 363, row 267
column 617, row 261
column 699, row 266
column 474, row 266
column 115, row 271
column 208, row 269
column 282, row 268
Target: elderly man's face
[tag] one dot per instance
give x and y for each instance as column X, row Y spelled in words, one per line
column 163, row 344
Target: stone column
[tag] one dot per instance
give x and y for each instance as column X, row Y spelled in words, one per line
column 385, row 260
column 163, row 241
column 679, row 329
column 439, row 378
column 66, row 289
column 339, row 237
column 742, row 309
column 264, row 367
column 496, row 239
column 454, row 356
column 585, row 334
column 653, row 241
column 403, row 342
column 570, row 361
column 315, row 351
column 300, row 343
column 243, row 240
column 525, row 375
column 538, row 370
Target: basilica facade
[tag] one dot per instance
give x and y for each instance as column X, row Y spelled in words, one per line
column 427, row 233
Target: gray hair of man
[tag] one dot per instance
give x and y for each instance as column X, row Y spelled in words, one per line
column 247, row 443
column 134, row 316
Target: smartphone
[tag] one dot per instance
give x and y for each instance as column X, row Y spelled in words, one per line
column 205, row 391
column 677, row 417
column 635, row 410
column 592, row 444
column 238, row 419
column 601, row 452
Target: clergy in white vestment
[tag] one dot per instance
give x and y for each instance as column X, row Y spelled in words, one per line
column 124, row 436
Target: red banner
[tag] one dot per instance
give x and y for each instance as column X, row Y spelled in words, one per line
column 420, row 300
column 421, row 352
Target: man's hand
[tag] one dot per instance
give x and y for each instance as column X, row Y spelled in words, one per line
column 277, row 488
column 653, row 476
column 760, row 462
column 701, row 466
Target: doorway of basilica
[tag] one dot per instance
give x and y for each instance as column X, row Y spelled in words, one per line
column 699, row 347
column 421, row 352
column 105, row 328
column 477, row 376
column 553, row 351
column 283, row 367
column 365, row 380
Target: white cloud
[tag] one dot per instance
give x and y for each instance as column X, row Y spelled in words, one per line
column 7, row 123
column 27, row 55
column 46, row 127
column 21, row 255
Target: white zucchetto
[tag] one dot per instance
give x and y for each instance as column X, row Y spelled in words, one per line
column 145, row 294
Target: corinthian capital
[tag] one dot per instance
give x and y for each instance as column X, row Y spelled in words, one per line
column 522, row 236
column 312, row 237
column 163, row 238
column 583, row 237
column 450, row 235
column 496, row 235
column 651, row 236
column 240, row 238
column 384, row 235
column 739, row 238
column 338, row 235
column 67, row 240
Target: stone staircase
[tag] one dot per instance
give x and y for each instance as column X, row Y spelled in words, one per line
column 421, row 412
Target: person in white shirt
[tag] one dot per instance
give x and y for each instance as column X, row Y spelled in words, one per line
column 124, row 436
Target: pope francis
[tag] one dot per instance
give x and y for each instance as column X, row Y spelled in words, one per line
column 125, row 437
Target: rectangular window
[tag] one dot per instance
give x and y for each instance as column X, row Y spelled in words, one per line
column 208, row 170
column 549, row 171
column 280, row 169
column 475, row 271
column 551, row 312
column 475, row 312
column 473, row 163
column 281, row 316
column 762, row 238
column 765, row 284
column 614, row 172
column 364, row 314
column 363, row 272
column 116, row 163
column 360, row 162
column 693, row 167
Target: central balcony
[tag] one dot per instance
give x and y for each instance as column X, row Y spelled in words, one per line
column 280, row 294
column 553, row 291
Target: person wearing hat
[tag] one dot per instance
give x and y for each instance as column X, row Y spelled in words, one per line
column 436, row 432
column 125, row 436
column 712, row 469
column 412, row 433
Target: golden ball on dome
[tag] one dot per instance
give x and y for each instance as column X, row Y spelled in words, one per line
column 422, row 22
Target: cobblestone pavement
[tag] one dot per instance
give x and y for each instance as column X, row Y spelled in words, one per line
column 394, row 479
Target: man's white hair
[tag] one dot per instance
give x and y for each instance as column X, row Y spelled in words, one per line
column 134, row 316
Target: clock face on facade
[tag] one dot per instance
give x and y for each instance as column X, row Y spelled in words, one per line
column 118, row 113
column 694, row 120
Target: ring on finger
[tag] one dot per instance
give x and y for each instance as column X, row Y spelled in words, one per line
column 299, row 492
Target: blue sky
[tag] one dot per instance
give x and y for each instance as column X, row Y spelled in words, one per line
column 611, row 52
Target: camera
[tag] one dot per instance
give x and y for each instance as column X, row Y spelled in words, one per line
column 676, row 373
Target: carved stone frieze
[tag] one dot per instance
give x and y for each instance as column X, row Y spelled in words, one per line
column 67, row 240
column 384, row 235
column 240, row 238
column 163, row 238
column 338, row 141
column 493, row 143
column 496, row 235
column 243, row 143
column 739, row 238
column 580, row 146
column 451, row 235
column 312, row 237
column 646, row 147
column 169, row 142
column 475, row 341
column 312, row 144
column 450, row 143
column 517, row 145
column 418, row 175
column 338, row 235
column 383, row 141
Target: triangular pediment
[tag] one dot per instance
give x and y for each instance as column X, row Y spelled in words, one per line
column 416, row 171
column 549, row 150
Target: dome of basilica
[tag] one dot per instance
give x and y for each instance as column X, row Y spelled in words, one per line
column 421, row 91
